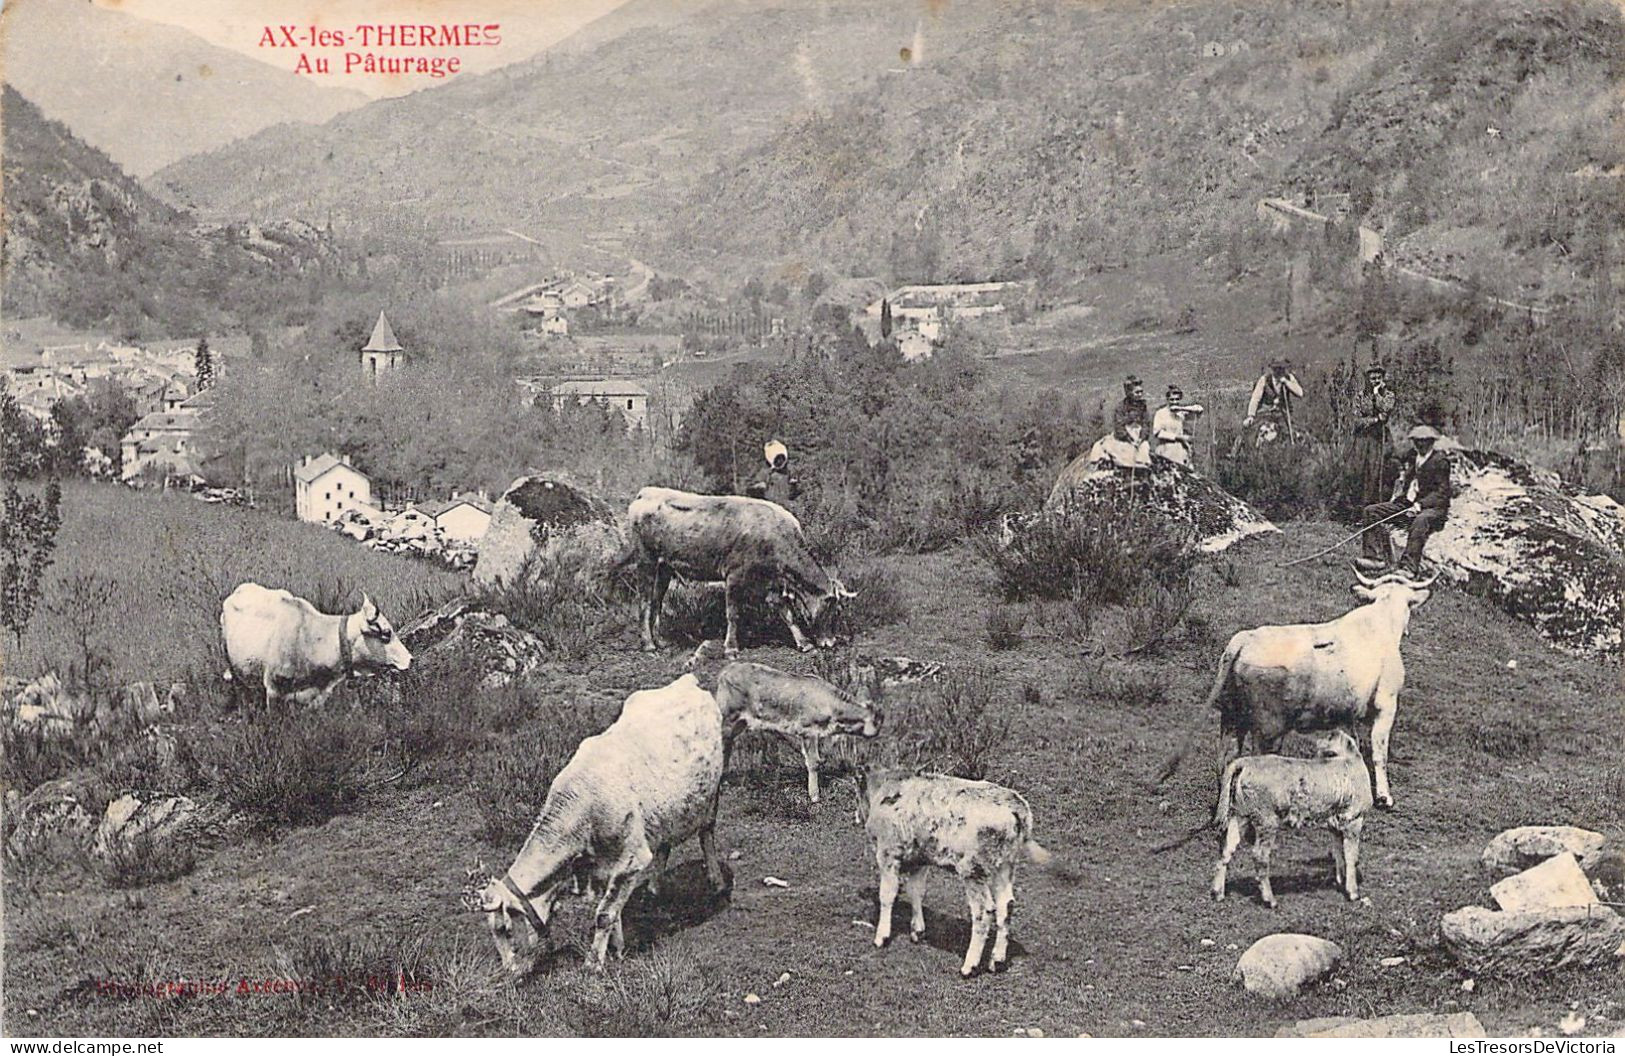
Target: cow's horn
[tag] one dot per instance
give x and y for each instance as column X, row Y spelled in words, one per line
column 366, row 602
column 1428, row 582
column 840, row 589
column 1361, row 576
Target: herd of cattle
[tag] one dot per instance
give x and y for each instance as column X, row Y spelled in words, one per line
column 652, row 780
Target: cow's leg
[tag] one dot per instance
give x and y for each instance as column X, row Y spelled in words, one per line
column 658, row 870
column 1004, row 893
column 980, row 900
column 1351, row 858
column 810, row 756
column 730, row 602
column 607, row 920
column 1386, row 708
column 657, row 603
column 915, row 882
column 888, row 895
column 788, row 616
column 1263, row 847
column 708, row 849
column 1232, row 840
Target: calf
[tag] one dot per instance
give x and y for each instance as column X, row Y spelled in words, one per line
column 613, row 814
column 979, row 830
column 1268, row 791
column 804, row 708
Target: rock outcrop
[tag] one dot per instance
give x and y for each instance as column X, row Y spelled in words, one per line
column 1533, row 942
column 1283, row 964
column 1415, row 1025
column 1179, row 493
column 53, row 813
column 544, row 513
column 1517, row 849
column 459, row 633
column 146, row 838
column 1556, row 882
column 1537, row 548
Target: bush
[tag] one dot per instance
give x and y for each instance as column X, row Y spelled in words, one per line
column 349, row 967
column 1004, row 628
column 141, row 860
column 1292, row 481
column 510, row 781
column 1096, row 554
column 300, row 769
column 562, row 595
column 879, row 601
column 954, row 727
column 649, row 997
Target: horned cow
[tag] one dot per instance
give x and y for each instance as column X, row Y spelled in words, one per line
column 979, row 830
column 298, row 653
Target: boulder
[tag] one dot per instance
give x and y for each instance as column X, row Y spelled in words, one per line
column 1605, row 868
column 534, row 512
column 150, row 836
column 1557, row 881
column 1537, row 548
column 48, row 707
column 461, row 633
column 1531, row 942
column 1179, row 493
column 1415, row 1025
column 1281, row 965
column 50, row 814
column 1515, row 850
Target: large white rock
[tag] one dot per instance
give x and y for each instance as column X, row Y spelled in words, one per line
column 1517, row 849
column 1283, row 964
column 545, row 512
column 1415, row 1025
column 1177, row 492
column 1537, row 548
column 141, row 838
column 1557, row 881
column 1496, row 942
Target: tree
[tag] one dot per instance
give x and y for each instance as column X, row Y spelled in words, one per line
column 23, row 450
column 885, row 319
column 28, row 527
column 203, row 359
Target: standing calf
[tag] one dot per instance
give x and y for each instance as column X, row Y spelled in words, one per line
column 804, row 708
column 1269, row 791
column 979, row 830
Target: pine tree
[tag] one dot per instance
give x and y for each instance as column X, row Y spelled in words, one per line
column 885, row 319
column 28, row 525
column 203, row 359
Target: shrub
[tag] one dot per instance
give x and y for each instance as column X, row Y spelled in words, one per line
column 510, row 781
column 350, row 967
column 1292, row 481
column 299, row 769
column 652, row 996
column 1155, row 612
column 955, row 726
column 879, row 601
column 1004, row 628
column 1100, row 553
column 139, row 860
column 562, row 595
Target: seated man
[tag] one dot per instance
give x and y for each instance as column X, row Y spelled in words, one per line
column 1424, row 487
column 774, row 482
column 1126, row 447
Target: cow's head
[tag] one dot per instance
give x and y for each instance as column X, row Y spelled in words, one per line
column 1393, row 585
column 373, row 640
column 857, row 710
column 812, row 612
column 1337, row 744
column 517, row 924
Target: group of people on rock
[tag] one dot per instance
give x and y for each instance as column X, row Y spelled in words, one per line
column 1138, row 434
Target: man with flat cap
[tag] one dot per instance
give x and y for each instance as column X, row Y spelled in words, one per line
column 1422, row 493
column 1133, row 409
column 1372, row 408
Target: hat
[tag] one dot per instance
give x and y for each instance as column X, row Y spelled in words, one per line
column 1280, row 362
column 1175, row 393
column 1423, row 432
column 1129, row 384
column 775, row 450
column 1376, row 370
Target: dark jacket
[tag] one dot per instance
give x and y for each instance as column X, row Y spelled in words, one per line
column 1432, row 481
column 1131, row 410
column 775, row 485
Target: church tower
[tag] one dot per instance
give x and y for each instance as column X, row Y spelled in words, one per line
column 381, row 352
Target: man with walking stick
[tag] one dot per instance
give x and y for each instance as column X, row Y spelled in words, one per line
column 1422, row 492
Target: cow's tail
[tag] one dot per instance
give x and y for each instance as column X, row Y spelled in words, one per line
column 1221, row 683
column 1221, row 812
column 1036, row 853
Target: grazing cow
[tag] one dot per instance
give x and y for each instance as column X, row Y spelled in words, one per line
column 804, row 708
column 1316, row 676
column 613, row 814
column 739, row 542
column 1265, row 792
column 979, row 830
column 300, row 654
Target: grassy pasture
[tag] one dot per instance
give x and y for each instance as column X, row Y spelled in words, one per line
column 1112, row 947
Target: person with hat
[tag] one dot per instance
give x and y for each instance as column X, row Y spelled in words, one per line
column 1372, row 409
column 774, row 483
column 1168, row 437
column 1422, row 493
column 1132, row 409
column 1273, row 394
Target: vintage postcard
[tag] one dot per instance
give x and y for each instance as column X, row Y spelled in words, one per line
column 812, row 518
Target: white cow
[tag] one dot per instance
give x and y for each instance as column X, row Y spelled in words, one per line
column 298, row 653
column 614, row 813
column 803, row 708
column 1317, row 676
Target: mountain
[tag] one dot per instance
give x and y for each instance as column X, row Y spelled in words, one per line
column 145, row 93
column 86, row 244
column 603, row 132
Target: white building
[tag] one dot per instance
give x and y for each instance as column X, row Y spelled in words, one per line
column 626, row 396
column 463, row 517
column 327, row 485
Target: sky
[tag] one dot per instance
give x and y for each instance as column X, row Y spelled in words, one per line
column 528, row 26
